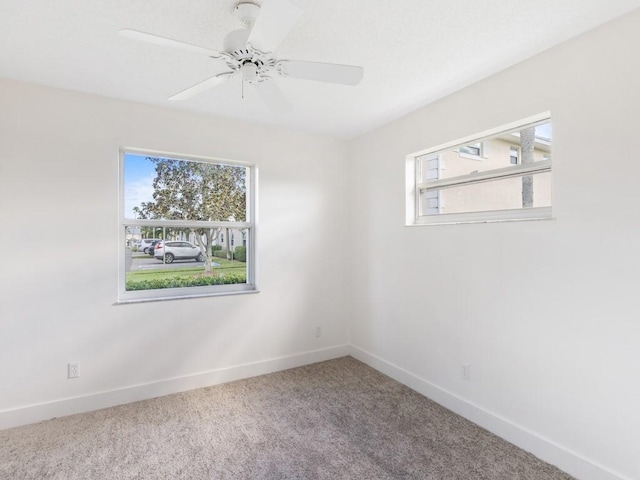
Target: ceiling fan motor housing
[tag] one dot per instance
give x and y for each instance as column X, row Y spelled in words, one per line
column 240, row 56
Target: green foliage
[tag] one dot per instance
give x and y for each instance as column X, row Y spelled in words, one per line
column 188, row 190
column 179, row 282
column 216, row 247
column 220, row 253
column 240, row 253
column 226, row 268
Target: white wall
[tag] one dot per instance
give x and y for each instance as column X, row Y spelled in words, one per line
column 545, row 312
column 59, row 242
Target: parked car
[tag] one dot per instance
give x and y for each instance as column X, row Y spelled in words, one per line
column 152, row 247
column 145, row 243
column 177, row 250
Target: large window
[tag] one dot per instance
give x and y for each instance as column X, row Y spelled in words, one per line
column 179, row 216
column 506, row 177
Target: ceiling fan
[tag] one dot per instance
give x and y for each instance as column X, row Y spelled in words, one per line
column 249, row 53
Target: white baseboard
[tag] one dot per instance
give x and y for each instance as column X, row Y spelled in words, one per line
column 545, row 449
column 133, row 393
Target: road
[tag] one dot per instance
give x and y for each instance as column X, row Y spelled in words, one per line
column 145, row 262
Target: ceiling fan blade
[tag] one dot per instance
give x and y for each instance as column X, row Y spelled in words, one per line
column 322, row 72
column 275, row 20
column 200, row 87
column 272, row 96
column 166, row 42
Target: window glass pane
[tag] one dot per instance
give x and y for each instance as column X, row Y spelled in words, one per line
column 504, row 194
column 175, row 189
column 515, row 155
column 187, row 227
column 430, row 166
column 471, row 149
column 530, row 144
column 177, row 259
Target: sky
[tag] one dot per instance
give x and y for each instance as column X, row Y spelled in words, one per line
column 544, row 130
column 138, row 179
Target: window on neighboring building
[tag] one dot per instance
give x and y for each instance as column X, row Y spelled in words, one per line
column 512, row 180
column 174, row 210
column 474, row 149
column 515, row 155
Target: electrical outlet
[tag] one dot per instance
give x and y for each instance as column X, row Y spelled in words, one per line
column 73, row 370
column 465, row 372
column 318, row 332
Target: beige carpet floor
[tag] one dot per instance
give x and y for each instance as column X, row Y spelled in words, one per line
column 332, row 420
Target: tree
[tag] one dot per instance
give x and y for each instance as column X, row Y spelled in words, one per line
column 197, row 191
column 527, row 144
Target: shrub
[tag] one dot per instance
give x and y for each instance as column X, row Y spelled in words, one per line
column 240, row 253
column 178, row 282
column 216, row 247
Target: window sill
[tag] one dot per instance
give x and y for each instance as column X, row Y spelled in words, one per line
column 533, row 214
column 125, row 301
column 471, row 157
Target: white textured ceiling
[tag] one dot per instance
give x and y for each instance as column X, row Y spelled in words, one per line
column 413, row 51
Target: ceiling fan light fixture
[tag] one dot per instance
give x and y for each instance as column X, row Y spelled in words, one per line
column 249, row 72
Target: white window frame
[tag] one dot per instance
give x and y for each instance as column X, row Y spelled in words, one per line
column 251, row 285
column 414, row 185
